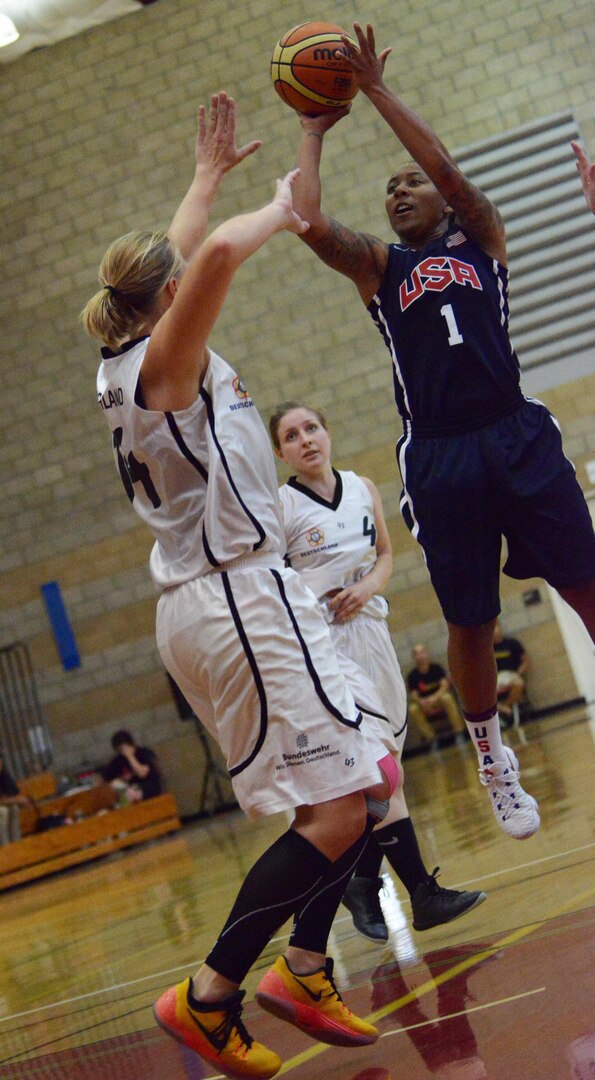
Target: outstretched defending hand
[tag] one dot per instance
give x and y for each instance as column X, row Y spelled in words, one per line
column 284, row 199
column 215, row 153
column 368, row 68
column 216, row 140
column 586, row 172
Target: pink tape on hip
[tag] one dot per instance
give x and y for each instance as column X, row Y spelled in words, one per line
column 391, row 770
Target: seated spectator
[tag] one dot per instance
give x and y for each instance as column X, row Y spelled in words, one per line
column 11, row 801
column 134, row 771
column 430, row 696
column 512, row 663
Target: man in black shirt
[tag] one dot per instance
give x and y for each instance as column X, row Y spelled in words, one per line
column 430, row 695
column 136, row 766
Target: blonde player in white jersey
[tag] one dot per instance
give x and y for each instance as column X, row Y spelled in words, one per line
column 336, row 538
column 240, row 633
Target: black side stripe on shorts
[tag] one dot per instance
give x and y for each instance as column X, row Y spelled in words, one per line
column 402, row 728
column 211, row 418
column 207, row 549
column 309, row 665
column 264, row 715
column 370, row 712
column 381, row 716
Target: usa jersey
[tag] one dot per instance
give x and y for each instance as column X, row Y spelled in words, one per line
column 331, row 544
column 443, row 314
column 203, row 478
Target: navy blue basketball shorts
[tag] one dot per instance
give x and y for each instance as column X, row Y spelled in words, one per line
column 462, row 493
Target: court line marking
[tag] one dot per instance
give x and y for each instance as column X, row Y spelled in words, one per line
column 445, row 976
column 527, row 865
column 96, row 993
column 462, row 1012
column 431, row 984
column 195, row 963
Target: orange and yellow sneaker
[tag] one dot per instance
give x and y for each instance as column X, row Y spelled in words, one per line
column 216, row 1032
column 313, row 1004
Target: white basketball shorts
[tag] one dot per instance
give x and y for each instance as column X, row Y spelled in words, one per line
column 251, row 652
column 365, row 643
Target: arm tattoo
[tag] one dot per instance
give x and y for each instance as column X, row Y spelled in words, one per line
column 476, row 213
column 359, row 256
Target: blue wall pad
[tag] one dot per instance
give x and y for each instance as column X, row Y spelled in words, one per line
column 63, row 633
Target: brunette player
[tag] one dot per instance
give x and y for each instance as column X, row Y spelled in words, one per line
column 336, row 538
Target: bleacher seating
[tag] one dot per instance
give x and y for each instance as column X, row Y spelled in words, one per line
column 98, row 828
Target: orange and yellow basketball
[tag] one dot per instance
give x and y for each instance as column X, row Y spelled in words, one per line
column 311, row 70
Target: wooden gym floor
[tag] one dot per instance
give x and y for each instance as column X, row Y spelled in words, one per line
column 507, row 991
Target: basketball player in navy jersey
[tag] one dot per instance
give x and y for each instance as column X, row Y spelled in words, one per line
column 240, row 634
column 478, row 460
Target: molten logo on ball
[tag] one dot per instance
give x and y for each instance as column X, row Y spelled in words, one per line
column 324, row 55
column 311, row 69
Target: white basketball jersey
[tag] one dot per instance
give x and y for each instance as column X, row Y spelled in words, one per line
column 203, row 478
column 332, row 544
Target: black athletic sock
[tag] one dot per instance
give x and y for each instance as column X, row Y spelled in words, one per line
column 370, row 860
column 398, row 843
column 313, row 921
column 273, row 890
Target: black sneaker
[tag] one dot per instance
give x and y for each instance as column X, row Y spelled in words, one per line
column 432, row 905
column 362, row 900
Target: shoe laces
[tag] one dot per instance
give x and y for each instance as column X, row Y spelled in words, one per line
column 333, row 991
column 432, row 884
column 505, row 788
column 507, row 777
column 232, row 1018
column 434, row 889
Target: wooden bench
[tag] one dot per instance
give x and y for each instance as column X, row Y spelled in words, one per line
column 43, row 853
column 39, row 785
column 82, row 803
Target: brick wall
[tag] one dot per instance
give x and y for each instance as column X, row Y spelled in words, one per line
column 97, row 138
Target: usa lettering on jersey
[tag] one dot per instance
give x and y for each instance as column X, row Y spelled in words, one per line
column 434, row 275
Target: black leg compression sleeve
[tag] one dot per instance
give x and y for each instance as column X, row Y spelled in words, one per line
column 369, row 862
column 314, row 919
column 398, row 843
column 273, row 890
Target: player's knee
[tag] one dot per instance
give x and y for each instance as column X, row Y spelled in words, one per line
column 350, row 817
column 333, row 826
column 348, row 824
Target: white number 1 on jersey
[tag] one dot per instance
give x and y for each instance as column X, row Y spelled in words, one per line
column 454, row 337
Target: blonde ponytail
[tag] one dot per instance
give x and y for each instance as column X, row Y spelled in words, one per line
column 133, row 271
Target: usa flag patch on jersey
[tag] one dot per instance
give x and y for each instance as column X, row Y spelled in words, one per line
column 456, row 238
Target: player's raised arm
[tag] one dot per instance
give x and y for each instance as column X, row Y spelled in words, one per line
column 359, row 256
column 473, row 209
column 177, row 354
column 215, row 154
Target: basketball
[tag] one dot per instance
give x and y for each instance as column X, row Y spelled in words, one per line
column 311, row 70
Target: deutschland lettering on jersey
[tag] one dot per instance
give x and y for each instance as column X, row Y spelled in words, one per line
column 442, row 312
